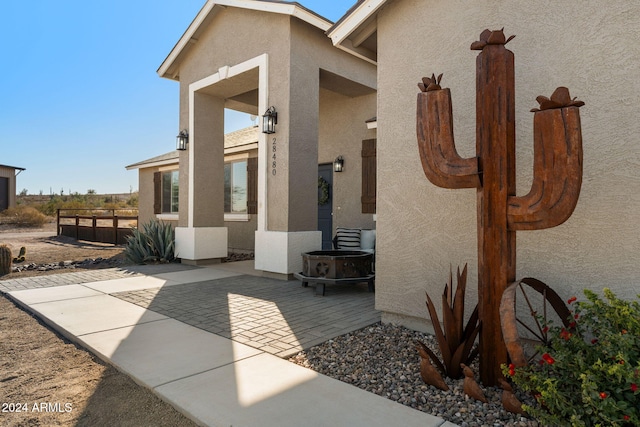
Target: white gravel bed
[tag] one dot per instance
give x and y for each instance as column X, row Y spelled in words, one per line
column 383, row 359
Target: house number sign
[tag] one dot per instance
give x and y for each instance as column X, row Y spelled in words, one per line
column 273, row 156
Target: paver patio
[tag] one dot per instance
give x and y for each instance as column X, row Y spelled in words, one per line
column 274, row 316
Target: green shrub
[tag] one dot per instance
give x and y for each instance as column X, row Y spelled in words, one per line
column 23, row 216
column 588, row 375
column 154, row 244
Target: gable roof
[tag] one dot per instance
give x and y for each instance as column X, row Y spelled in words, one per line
column 213, row 7
column 356, row 31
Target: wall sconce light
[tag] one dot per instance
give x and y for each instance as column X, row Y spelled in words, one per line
column 269, row 120
column 182, row 139
column 338, row 164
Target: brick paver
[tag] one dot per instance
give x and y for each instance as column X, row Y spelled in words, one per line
column 274, row 316
column 62, row 279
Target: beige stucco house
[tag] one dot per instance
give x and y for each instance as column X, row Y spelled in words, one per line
column 8, row 186
column 249, row 56
column 327, row 81
column 422, row 229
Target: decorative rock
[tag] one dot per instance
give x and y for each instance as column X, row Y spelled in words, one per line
column 87, row 263
column 386, row 354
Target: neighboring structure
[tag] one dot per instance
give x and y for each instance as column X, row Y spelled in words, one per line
column 248, row 56
column 8, row 186
column 423, row 229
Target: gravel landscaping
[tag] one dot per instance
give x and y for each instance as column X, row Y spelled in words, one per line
column 382, row 359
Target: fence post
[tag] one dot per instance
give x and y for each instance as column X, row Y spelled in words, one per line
column 77, row 225
column 94, row 224
column 58, row 224
column 115, row 228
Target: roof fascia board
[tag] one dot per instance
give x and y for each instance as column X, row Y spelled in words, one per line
column 175, row 161
column 282, row 8
column 152, row 164
column 265, row 6
column 350, row 23
column 241, row 148
column 185, row 40
column 12, row 167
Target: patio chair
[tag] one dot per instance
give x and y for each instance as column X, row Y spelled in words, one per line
column 356, row 239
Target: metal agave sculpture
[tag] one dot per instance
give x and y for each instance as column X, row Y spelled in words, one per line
column 456, row 341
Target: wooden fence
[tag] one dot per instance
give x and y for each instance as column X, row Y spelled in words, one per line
column 97, row 225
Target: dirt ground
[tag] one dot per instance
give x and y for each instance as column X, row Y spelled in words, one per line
column 47, row 381
column 43, row 247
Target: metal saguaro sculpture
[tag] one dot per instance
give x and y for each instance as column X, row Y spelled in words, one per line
column 556, row 183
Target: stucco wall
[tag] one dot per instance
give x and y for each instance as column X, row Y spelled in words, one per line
column 333, row 123
column 242, row 234
column 146, row 195
column 422, row 229
column 342, row 130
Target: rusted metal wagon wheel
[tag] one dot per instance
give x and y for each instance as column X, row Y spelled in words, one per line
column 527, row 307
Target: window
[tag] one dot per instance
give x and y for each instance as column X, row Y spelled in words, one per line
column 235, row 187
column 170, row 186
column 166, row 186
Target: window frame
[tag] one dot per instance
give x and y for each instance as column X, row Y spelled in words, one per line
column 237, row 215
column 160, row 202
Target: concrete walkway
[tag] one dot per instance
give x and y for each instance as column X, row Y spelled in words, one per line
column 207, row 340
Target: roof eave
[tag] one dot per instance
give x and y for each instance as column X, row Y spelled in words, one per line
column 167, row 69
column 13, row 167
column 144, row 165
column 353, row 20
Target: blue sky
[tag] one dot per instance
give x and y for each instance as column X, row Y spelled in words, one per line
column 79, row 95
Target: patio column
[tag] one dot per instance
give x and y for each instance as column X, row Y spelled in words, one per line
column 292, row 181
column 205, row 237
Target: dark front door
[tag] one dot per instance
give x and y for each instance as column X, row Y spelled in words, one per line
column 325, row 203
column 4, row 193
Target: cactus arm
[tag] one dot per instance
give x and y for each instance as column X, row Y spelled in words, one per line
column 557, row 172
column 440, row 161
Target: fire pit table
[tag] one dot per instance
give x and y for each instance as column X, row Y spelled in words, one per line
column 336, row 267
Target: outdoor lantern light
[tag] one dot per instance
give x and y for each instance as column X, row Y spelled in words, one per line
column 182, row 139
column 338, row 164
column 269, row 120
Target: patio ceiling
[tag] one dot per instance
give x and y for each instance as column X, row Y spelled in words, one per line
column 343, row 85
column 240, row 92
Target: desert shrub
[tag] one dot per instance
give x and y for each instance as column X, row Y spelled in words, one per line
column 133, row 200
column 154, row 244
column 589, row 374
column 23, row 216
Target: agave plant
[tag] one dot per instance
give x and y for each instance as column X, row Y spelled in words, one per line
column 456, row 342
column 155, row 243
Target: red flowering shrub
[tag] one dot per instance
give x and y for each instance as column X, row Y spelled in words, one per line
column 588, row 374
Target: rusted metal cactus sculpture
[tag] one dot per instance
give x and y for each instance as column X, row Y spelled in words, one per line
column 556, row 183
